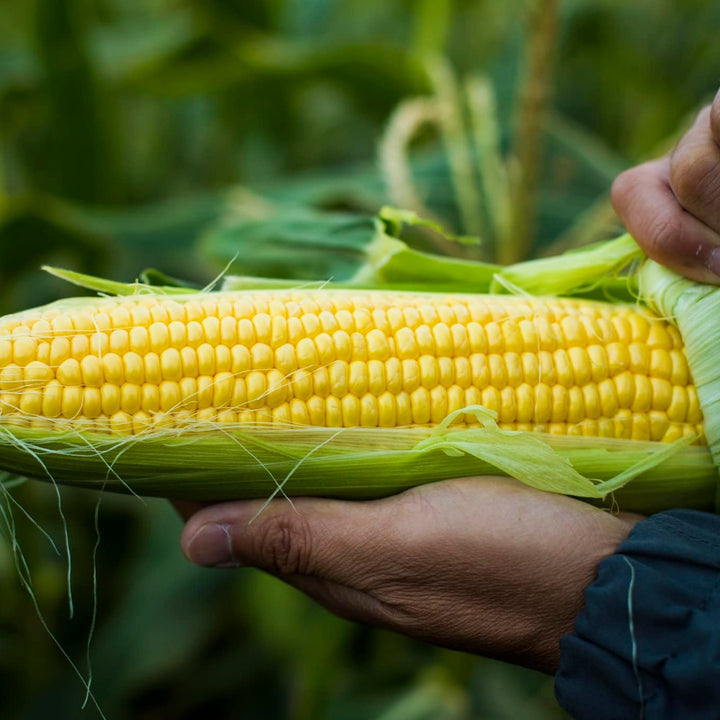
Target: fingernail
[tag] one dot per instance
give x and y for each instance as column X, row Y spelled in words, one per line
column 211, row 546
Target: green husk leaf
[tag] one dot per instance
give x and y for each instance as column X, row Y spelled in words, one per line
column 394, row 219
column 335, row 243
column 232, row 283
column 157, row 278
column 572, row 273
column 111, row 287
column 392, row 264
column 520, row 455
column 529, row 458
column 212, row 462
column 695, row 309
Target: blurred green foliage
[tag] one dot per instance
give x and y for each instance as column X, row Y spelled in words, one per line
column 183, row 134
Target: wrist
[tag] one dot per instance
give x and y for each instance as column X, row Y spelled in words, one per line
column 597, row 538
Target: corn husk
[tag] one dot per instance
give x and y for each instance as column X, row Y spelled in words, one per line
column 205, row 461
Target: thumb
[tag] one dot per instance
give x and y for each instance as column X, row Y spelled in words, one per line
column 283, row 538
column 328, row 549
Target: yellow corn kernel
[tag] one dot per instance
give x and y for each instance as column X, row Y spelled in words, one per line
column 59, row 350
column 498, row 371
column 178, row 333
column 206, row 359
column 121, row 423
column 609, row 404
column 110, row 395
column 525, row 403
column 24, row 350
column 661, row 393
column 425, row 341
column 560, row 404
column 133, row 370
column 411, row 377
column 239, row 396
column 576, row 405
column 446, row 368
column 223, row 359
column 170, row 397
column 36, row 374
column 491, row 398
column 302, row 384
column 71, row 401
column 543, row 403
column 195, row 334
column 439, row 404
column 405, row 343
column 150, row 398
column 659, row 424
column 444, row 341
column 256, row 389
column 69, row 372
column 358, row 381
column 387, row 412
column 130, row 400
column 139, row 339
column 223, row 389
column 151, row 366
column 333, row 412
column 420, row 405
column 91, row 402
column 119, row 341
column 508, row 405
column 376, row 377
column 350, row 410
column 639, row 358
column 171, row 364
column 205, row 391
column 261, row 356
column 455, row 400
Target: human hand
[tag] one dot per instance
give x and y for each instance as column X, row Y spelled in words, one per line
column 485, row 565
column 671, row 206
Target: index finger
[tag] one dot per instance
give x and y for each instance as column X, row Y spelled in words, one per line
column 669, row 234
column 695, row 169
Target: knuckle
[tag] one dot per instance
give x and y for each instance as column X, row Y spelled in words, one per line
column 695, row 176
column 285, row 544
column 665, row 236
column 622, row 189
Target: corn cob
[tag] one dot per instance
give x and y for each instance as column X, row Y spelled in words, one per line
column 360, row 393
column 331, row 359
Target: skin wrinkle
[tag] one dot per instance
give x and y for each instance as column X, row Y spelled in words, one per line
column 441, row 562
column 694, row 172
column 284, row 542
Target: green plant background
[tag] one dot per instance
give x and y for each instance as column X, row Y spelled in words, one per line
column 184, row 134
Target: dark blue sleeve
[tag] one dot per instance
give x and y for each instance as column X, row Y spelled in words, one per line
column 647, row 643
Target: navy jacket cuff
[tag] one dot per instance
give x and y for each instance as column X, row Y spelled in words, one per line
column 647, row 643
